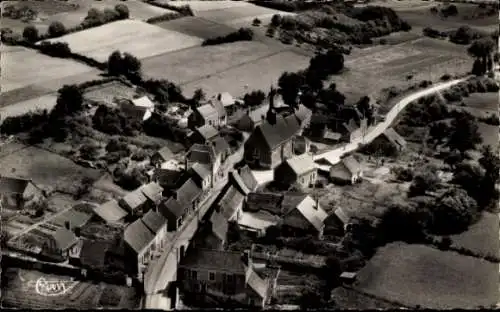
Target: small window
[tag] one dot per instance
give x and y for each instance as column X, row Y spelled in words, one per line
column 211, row 276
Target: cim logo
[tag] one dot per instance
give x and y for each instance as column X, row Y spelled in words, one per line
column 50, row 287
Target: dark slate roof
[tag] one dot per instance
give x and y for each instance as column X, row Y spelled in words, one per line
column 188, row 192
column 171, row 206
column 137, row 235
column 220, row 145
column 9, row 185
column 214, row 260
column 153, row 191
column 110, row 211
column 165, row 153
column 230, row 201
column 200, row 153
column 256, row 283
column 291, row 201
column 93, row 253
column 247, row 177
column 238, row 182
column 201, row 170
column 168, row 178
column 351, row 164
column 207, row 132
column 153, row 220
column 270, row 202
column 283, row 130
column 64, row 238
column 219, row 225
column 135, row 198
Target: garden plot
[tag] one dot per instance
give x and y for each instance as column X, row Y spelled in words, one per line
column 138, row 38
column 254, row 75
column 22, row 67
column 202, row 62
column 108, row 92
column 417, row 275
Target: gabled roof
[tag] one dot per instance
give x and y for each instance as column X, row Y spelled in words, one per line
column 201, row 153
column 231, row 199
column 137, row 112
column 249, row 179
column 165, row 153
column 313, row 213
column 259, row 114
column 201, row 170
column 153, row 191
column 10, row 185
column 214, row 260
column 154, row 221
column 220, row 145
column 168, row 178
column 270, row 202
column 219, row 225
column 110, row 211
column 143, row 102
column 342, row 215
column 207, row 132
column 283, row 130
column 219, row 107
column 207, row 110
column 64, row 238
column 188, row 192
column 256, row 283
column 135, row 199
column 301, row 164
column 291, row 201
column 394, row 137
column 351, row 164
column 303, row 113
column 238, row 182
column 137, row 235
column 93, row 253
column 171, row 207
column 226, row 99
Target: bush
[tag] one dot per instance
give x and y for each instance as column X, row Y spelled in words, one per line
column 243, row 34
column 426, row 180
column 122, row 10
column 492, row 120
column 130, row 179
column 30, row 33
column 445, row 77
column 89, row 151
column 139, row 155
column 163, row 18
column 112, row 121
column 55, row 49
column 256, row 22
column 24, row 123
column 56, row 29
column 403, row 174
column 254, row 98
column 185, row 10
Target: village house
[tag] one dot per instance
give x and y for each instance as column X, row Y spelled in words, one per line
column 203, row 134
column 212, row 233
column 301, row 145
column 140, row 109
column 138, row 244
column 347, row 171
column 167, row 179
column 90, row 254
column 230, row 204
column 164, row 154
column 153, row 192
column 270, row 202
column 157, row 224
column 16, row 193
column 60, row 242
column 236, row 181
column 142, row 199
column 228, row 101
column 299, row 171
column 248, row 178
column 338, row 222
column 222, row 274
column 212, row 113
column 189, row 195
column 307, row 217
column 271, row 142
column 213, row 154
column 202, row 175
column 252, row 118
column 110, row 212
column 174, row 212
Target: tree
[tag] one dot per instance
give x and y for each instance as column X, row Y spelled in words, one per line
column 56, row 29
column 332, row 98
column 254, row 98
column 131, row 64
column 464, row 134
column 94, row 17
column 482, row 50
column 365, row 108
column 115, row 63
column 89, row 151
column 30, row 33
column 69, row 101
column 403, row 223
column 256, row 22
column 453, row 213
column 122, row 10
column 198, row 96
column 426, row 180
column 276, row 20
column 289, row 86
column 110, row 15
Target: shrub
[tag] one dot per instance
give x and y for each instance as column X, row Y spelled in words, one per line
column 56, row 49
column 116, row 145
column 112, row 121
column 426, row 180
column 24, row 123
column 130, row 179
column 139, row 155
column 163, row 18
column 30, row 33
column 122, row 10
column 89, row 151
column 256, row 22
column 243, row 34
column 492, row 120
column 403, row 174
column 445, row 77
column 56, row 29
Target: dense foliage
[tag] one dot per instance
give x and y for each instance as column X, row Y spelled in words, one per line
column 242, row 34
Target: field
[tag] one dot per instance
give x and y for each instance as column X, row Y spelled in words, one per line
column 481, row 238
column 198, row 27
column 44, row 102
column 107, row 92
column 47, row 169
column 489, row 134
column 138, row 38
column 22, row 67
column 31, row 289
column 419, row 275
column 346, row 298
column 373, row 69
column 72, row 12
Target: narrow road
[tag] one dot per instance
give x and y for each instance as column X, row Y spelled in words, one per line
column 333, row 156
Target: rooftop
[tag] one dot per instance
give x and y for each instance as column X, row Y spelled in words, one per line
column 283, row 130
column 207, row 132
column 64, row 238
column 214, row 260
column 153, row 191
column 231, row 199
column 110, row 211
column 207, row 110
column 137, row 235
column 165, row 153
column 154, row 221
column 247, row 177
column 171, row 206
column 270, row 202
column 188, row 192
column 143, row 102
column 201, row 170
column 134, row 199
column 301, row 164
column 11, row 185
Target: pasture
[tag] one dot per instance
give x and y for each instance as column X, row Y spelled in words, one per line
column 253, row 75
column 372, row 69
column 138, row 38
column 34, row 290
column 481, row 237
column 419, row 275
column 22, row 67
column 47, row 169
column 201, row 62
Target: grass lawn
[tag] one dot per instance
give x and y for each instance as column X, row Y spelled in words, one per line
column 22, row 67
column 47, row 169
column 133, row 36
column 419, row 275
column 481, row 237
